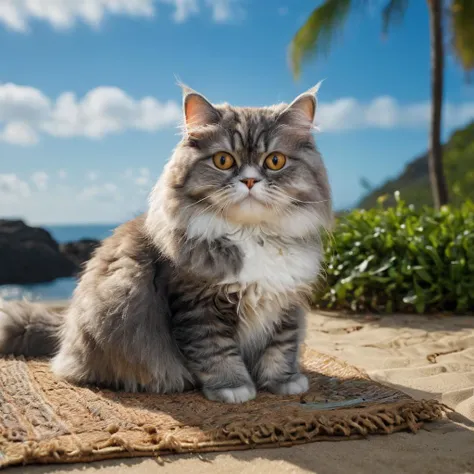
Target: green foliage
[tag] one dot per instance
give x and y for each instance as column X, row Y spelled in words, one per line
column 414, row 185
column 400, row 259
column 327, row 20
column 393, row 12
column 462, row 21
column 316, row 35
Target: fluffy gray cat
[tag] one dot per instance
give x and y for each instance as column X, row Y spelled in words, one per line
column 209, row 288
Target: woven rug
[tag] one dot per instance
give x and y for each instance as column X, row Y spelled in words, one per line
column 46, row 420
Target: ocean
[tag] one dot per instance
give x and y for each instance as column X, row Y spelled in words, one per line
column 62, row 288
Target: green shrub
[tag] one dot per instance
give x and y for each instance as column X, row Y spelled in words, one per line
column 401, row 260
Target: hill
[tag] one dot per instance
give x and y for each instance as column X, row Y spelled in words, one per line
column 413, row 182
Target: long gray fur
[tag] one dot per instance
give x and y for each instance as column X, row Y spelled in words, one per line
column 207, row 289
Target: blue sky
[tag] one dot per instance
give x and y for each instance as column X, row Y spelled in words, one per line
column 89, row 103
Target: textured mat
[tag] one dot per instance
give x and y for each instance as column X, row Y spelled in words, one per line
column 45, row 420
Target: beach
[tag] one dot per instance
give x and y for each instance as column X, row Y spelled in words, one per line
column 424, row 356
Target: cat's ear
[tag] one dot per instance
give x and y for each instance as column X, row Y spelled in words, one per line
column 198, row 111
column 304, row 106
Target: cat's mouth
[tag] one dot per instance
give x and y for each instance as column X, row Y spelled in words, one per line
column 250, row 210
column 252, row 200
column 252, row 197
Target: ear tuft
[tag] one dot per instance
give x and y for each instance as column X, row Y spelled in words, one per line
column 305, row 104
column 198, row 111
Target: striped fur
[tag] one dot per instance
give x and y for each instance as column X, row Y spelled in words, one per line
column 207, row 289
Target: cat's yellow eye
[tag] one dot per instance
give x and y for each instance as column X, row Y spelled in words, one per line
column 223, row 160
column 275, row 161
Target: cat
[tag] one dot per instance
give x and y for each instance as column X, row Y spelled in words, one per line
column 209, row 288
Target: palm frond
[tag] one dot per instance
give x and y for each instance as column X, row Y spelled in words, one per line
column 393, row 12
column 462, row 29
column 316, row 35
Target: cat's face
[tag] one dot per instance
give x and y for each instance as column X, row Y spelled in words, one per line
column 250, row 166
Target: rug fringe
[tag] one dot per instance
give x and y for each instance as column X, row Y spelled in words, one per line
column 46, row 421
column 379, row 419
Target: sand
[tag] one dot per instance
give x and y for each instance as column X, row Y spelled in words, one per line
column 426, row 357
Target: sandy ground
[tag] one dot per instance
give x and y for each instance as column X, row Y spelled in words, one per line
column 426, row 357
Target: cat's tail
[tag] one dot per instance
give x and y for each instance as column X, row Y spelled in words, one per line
column 28, row 329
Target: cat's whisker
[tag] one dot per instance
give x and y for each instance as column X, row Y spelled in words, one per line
column 280, row 196
column 311, row 225
column 293, row 199
column 212, row 205
column 151, row 312
column 208, row 196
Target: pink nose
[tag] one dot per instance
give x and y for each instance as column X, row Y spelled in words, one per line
column 249, row 182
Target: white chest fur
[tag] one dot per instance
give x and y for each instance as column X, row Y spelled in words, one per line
column 273, row 274
column 271, row 279
column 276, row 266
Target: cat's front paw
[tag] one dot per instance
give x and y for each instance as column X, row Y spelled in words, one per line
column 240, row 394
column 297, row 383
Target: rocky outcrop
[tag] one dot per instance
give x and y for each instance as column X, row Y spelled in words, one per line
column 31, row 255
column 80, row 251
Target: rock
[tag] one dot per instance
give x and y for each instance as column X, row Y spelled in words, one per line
column 30, row 254
column 80, row 251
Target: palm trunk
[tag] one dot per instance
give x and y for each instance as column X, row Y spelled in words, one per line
column 435, row 158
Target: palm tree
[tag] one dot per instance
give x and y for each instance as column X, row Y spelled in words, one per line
column 316, row 35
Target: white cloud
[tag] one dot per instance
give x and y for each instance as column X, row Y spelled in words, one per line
column 17, row 15
column 104, row 192
column 128, row 173
column 183, row 9
column 385, row 113
column 92, row 175
column 44, row 197
column 27, row 112
column 225, row 10
column 11, row 186
column 106, row 110
column 62, row 174
column 22, row 103
column 143, row 178
column 63, row 14
column 19, row 133
column 40, row 180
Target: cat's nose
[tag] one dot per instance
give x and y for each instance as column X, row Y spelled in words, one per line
column 249, row 182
